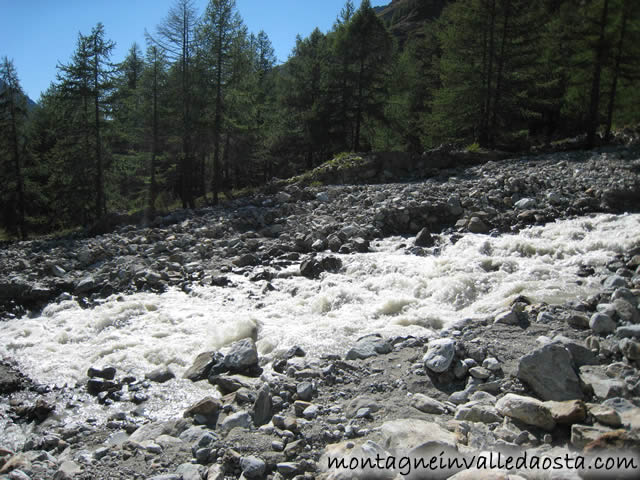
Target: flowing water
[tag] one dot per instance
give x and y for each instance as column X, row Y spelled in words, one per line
column 385, row 291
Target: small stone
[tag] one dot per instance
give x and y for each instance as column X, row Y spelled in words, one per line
column 305, row 391
column 263, row 406
column 208, row 408
column 525, row 204
column 479, row 373
column 160, row 375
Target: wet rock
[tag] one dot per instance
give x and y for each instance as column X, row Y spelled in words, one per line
column 427, row 404
column 160, row 375
column 204, row 411
column 10, row 381
column 312, row 267
column 439, row 355
column 202, row 366
column 107, row 373
column 476, row 225
column 526, row 409
column 369, row 346
column 549, row 371
column 242, row 356
column 424, row 238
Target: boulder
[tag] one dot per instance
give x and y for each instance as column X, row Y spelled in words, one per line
column 424, row 238
column 160, row 375
column 567, row 412
column 369, row 346
column 206, row 410
column 263, row 406
column 202, row 365
column 603, row 386
column 602, row 324
column 549, row 371
column 242, row 356
column 527, row 410
column 476, row 225
column 439, row 355
column 427, row 404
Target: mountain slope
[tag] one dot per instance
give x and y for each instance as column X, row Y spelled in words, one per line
column 405, row 17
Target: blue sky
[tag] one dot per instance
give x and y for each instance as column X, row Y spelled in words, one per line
column 37, row 34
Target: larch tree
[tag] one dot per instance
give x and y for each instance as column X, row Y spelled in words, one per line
column 13, row 115
column 176, row 36
column 220, row 27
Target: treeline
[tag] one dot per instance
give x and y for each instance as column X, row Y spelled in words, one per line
column 205, row 109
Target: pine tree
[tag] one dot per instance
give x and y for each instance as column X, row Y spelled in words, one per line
column 220, row 27
column 371, row 48
column 13, row 115
column 176, row 36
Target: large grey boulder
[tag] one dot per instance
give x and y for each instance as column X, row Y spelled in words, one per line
column 549, row 371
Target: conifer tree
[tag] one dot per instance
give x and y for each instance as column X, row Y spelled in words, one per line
column 13, row 114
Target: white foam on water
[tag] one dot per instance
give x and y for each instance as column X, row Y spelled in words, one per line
column 385, row 292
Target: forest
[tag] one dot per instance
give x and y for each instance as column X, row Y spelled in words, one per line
column 204, row 111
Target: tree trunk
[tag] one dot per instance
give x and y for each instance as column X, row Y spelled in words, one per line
column 100, row 201
column 484, row 129
column 153, row 188
column 16, row 164
column 594, row 106
column 616, row 71
column 217, row 120
column 496, row 100
column 356, row 136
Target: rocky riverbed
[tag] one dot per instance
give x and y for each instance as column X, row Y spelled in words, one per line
column 548, row 367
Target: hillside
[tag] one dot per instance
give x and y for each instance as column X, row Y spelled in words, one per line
column 407, row 16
